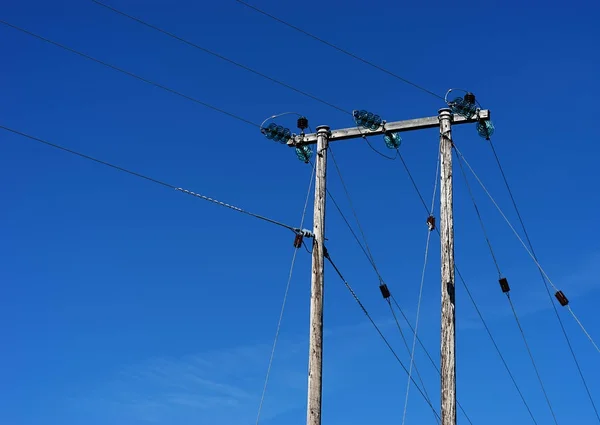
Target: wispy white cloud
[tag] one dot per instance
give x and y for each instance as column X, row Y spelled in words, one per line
column 224, row 385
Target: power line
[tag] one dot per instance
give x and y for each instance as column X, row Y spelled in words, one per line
column 412, row 352
column 506, row 290
column 131, row 74
column 414, row 343
column 408, row 346
column 543, row 274
column 485, row 235
column 210, row 52
column 464, row 283
column 414, row 183
column 283, row 304
column 339, row 49
column 367, row 251
column 368, row 254
column 489, row 332
column 150, row 179
column 531, row 254
column 537, row 372
column 363, row 308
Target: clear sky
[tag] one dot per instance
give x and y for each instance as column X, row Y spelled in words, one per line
column 127, row 303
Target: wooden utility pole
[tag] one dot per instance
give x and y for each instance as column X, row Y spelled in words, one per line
column 444, row 120
column 315, row 360
column 448, row 360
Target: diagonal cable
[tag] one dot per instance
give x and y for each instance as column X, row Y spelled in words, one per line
column 412, row 352
column 363, row 308
column 210, row 52
column 414, row 343
column 527, row 249
column 508, row 297
column 339, row 49
column 285, row 296
column 464, row 283
column 131, row 74
column 543, row 274
column 368, row 255
column 151, row 179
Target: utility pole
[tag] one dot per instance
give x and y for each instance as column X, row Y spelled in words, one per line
column 448, row 354
column 315, row 359
column 444, row 120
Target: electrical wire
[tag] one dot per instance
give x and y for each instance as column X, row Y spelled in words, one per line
column 363, row 308
column 531, row 254
column 403, row 337
column 485, row 234
column 464, row 283
column 131, row 74
column 543, row 274
column 339, row 49
column 285, row 296
column 368, row 254
column 508, row 297
column 360, row 228
column 489, row 332
column 150, row 179
column 414, row 343
column 429, row 211
column 537, row 372
column 210, row 52
column 412, row 352
column 391, row 158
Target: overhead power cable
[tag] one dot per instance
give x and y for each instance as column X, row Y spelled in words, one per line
column 210, row 52
column 368, row 254
column 367, row 250
column 527, row 249
column 546, row 280
column 151, row 179
column 506, row 289
column 429, row 230
column 363, row 308
column 283, row 304
column 131, row 74
column 488, row 331
column 339, row 49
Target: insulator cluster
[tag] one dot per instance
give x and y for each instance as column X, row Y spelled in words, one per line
column 485, row 129
column 367, row 120
column 392, row 140
column 277, row 133
column 464, row 106
column 304, row 153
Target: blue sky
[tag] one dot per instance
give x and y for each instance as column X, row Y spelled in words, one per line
column 125, row 303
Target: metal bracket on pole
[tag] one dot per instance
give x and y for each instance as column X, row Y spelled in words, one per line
column 395, row 126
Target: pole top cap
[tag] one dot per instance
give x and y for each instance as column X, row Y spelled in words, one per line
column 322, row 129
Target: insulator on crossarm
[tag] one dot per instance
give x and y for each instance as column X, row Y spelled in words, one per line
column 463, row 106
column 277, row 133
column 304, row 153
column 367, row 120
column 485, row 129
column 392, row 140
